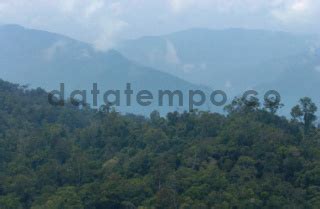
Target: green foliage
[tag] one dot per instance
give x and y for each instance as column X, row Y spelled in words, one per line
column 305, row 111
column 71, row 158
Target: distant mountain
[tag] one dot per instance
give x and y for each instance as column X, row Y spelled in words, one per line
column 234, row 59
column 299, row 78
column 219, row 58
column 45, row 59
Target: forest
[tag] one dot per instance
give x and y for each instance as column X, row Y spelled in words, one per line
column 54, row 157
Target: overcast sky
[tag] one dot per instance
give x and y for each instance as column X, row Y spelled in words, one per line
column 104, row 22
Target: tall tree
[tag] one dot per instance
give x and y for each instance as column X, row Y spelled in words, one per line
column 305, row 111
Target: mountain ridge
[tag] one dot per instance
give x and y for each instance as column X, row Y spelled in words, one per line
column 46, row 60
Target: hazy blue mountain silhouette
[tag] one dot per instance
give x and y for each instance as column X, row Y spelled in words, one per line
column 232, row 60
column 235, row 59
column 46, row 59
column 300, row 78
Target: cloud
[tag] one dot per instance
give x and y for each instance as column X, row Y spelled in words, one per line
column 171, row 55
column 222, row 6
column 180, row 5
column 95, row 21
column 296, row 11
column 293, row 15
column 68, row 6
column 107, row 37
column 116, row 8
column 281, row 10
column 51, row 52
column 93, row 8
column 105, row 22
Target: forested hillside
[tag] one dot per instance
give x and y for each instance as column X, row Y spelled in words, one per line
column 78, row 158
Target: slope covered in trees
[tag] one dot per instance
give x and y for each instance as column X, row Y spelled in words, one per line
column 72, row 158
